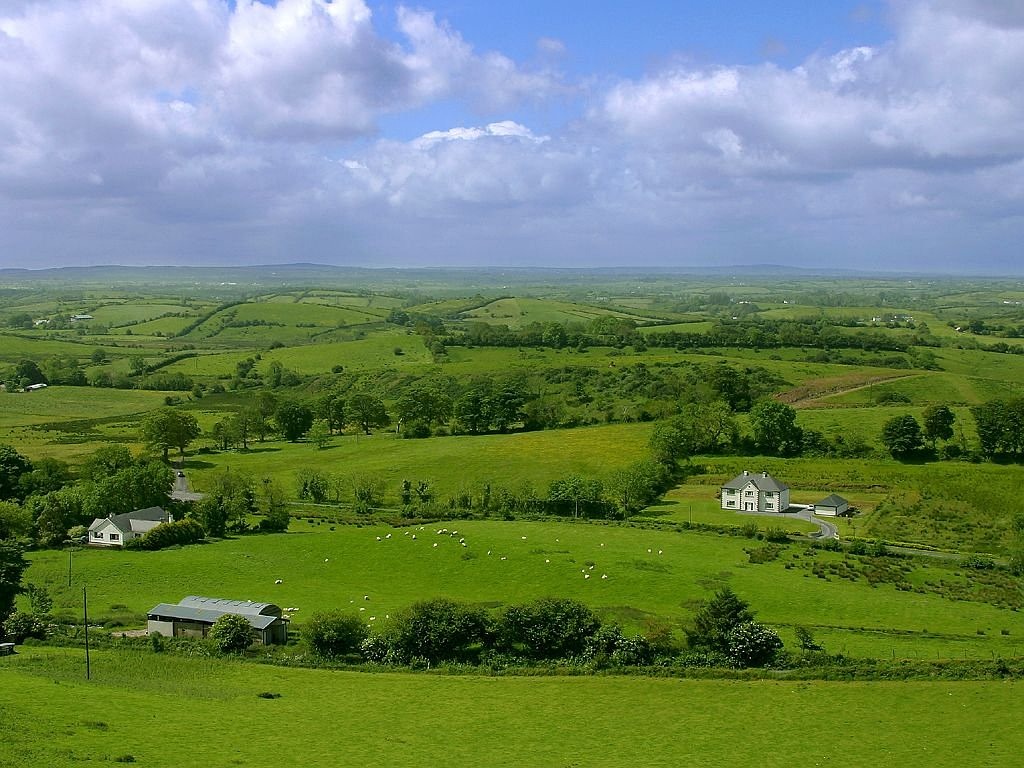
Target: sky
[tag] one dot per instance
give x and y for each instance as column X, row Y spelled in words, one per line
column 880, row 135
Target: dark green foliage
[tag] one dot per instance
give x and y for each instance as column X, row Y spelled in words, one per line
column 180, row 532
column 938, row 423
column 15, row 521
column 271, row 503
column 232, row 633
column 576, row 495
column 332, row 633
column 774, row 427
column 294, row 418
column 1000, row 425
column 168, row 428
column 548, row 628
column 716, row 620
column 438, row 630
column 12, row 566
column 805, row 639
column 901, row 436
column 12, row 466
column 367, row 411
column 27, row 372
column 638, row 485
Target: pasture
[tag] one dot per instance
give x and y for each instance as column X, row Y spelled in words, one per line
column 652, row 576
column 140, row 704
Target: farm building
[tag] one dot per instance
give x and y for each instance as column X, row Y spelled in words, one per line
column 831, row 506
column 115, row 530
column 194, row 616
column 753, row 492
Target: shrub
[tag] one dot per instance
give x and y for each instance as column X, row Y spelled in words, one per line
column 187, row 531
column 716, row 620
column 22, row 625
column 437, row 630
column 332, row 633
column 548, row 628
column 753, row 645
column 232, row 633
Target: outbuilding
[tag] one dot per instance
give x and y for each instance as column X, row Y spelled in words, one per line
column 194, row 616
column 831, row 506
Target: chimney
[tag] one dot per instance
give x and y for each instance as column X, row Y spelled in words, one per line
column 745, row 473
column 764, row 474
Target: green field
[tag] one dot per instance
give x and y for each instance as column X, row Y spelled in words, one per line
column 520, row 312
column 145, row 705
column 651, row 575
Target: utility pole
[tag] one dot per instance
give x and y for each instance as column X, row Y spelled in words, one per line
column 85, row 619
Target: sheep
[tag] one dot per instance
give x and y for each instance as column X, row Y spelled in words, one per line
column 659, row 551
column 586, row 576
column 414, row 537
column 388, row 536
column 327, row 559
column 435, row 544
column 278, row 581
column 378, row 538
column 604, row 575
column 504, row 558
column 362, row 609
column 547, row 561
column 465, row 544
column 523, row 538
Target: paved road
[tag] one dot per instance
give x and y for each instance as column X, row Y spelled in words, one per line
column 182, row 491
column 826, row 530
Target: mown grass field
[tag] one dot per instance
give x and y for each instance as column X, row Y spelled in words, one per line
column 143, row 705
column 652, row 575
column 520, row 312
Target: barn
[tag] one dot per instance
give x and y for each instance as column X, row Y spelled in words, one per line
column 194, row 616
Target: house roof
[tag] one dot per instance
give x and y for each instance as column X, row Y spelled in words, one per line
column 762, row 481
column 123, row 522
column 832, row 501
column 208, row 609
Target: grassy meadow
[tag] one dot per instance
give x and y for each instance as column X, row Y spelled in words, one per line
column 636, row 576
column 141, row 704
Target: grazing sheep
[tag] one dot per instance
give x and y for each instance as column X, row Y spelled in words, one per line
column 504, row 558
column 465, row 544
column 659, row 551
column 362, row 609
column 366, row 597
column 604, row 575
column 414, row 537
column 547, row 561
column 326, row 559
column 378, row 538
column 523, row 538
column 586, row 576
column 435, row 544
column 388, row 536
column 278, row 581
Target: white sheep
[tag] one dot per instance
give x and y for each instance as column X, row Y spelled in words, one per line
column 278, row 581
column 604, row 575
column 366, row 597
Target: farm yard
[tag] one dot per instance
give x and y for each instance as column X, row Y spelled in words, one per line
column 367, row 449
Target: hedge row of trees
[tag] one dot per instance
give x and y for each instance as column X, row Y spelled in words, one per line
column 548, row 629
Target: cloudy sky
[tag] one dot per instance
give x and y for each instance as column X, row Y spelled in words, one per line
column 875, row 135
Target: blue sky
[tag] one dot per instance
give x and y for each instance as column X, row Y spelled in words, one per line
column 876, row 135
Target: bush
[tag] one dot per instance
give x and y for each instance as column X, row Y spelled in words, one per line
column 187, row 531
column 22, row 625
column 548, row 628
column 232, row 633
column 437, row 630
column 753, row 645
column 331, row 633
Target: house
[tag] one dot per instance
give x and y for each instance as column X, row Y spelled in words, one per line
column 831, row 506
column 755, row 493
column 194, row 616
column 81, row 317
column 115, row 530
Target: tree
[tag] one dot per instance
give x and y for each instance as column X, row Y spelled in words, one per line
column 47, row 474
column 1000, row 425
column 105, row 461
column 143, row 484
column 774, row 427
column 753, row 645
column 12, row 566
column 60, row 511
column 548, row 628
column 168, row 428
column 438, row 630
column 901, row 436
column 263, row 408
column 332, row 633
column 227, row 506
column 12, row 466
column 294, row 419
column 367, row 411
column 320, row 433
column 717, row 618
column 577, row 491
column 27, row 372
column 271, row 503
column 669, row 443
column 938, row 423
column 15, row 521
column 639, row 484
column 232, row 633
column 331, row 408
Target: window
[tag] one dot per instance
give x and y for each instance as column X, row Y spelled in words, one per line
column 730, row 503
column 769, row 505
column 748, row 493
column 769, row 494
column 115, row 537
column 97, row 534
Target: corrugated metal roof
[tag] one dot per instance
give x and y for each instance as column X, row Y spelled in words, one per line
column 243, row 607
column 207, row 615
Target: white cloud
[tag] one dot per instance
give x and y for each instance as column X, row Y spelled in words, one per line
column 190, row 128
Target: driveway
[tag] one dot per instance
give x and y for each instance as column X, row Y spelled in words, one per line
column 826, row 530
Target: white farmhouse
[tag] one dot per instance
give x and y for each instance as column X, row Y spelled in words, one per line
column 755, row 493
column 115, row 530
